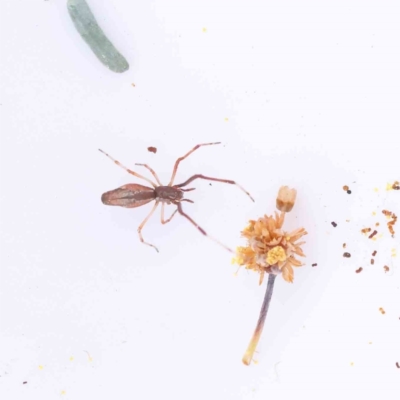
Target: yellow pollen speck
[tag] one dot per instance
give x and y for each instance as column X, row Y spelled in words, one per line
column 376, row 190
column 204, row 30
column 226, row 119
column 40, row 367
column 276, row 254
column 389, row 186
column 369, row 342
column 373, row 213
column 351, row 363
column 63, row 392
column 71, row 358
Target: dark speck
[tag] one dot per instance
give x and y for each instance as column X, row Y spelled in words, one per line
column 334, row 224
column 347, row 255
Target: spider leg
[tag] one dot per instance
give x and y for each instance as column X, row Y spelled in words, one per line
column 185, row 156
column 199, row 176
column 128, row 170
column 152, row 171
column 165, row 221
column 144, row 223
column 180, row 210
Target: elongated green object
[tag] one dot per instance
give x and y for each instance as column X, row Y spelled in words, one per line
column 93, row 35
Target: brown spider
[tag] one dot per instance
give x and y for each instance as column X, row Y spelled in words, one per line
column 134, row 195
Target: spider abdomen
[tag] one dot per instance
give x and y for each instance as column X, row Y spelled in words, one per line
column 129, row 196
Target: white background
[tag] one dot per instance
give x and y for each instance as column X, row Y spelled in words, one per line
column 299, row 93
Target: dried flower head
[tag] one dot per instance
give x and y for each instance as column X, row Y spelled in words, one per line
column 270, row 249
column 273, row 251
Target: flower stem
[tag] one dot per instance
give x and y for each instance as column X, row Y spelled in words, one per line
column 248, row 356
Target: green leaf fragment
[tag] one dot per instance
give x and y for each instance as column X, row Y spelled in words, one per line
column 94, row 36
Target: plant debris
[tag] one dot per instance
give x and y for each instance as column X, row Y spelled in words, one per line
column 359, row 270
column 334, row 224
column 374, row 253
column 397, row 365
column 90, row 31
column 152, row 149
column 347, row 255
column 396, row 185
column 382, row 310
column 392, row 222
column 386, row 268
column 314, row 265
column 372, row 261
column 285, row 199
column 372, row 234
column 366, row 230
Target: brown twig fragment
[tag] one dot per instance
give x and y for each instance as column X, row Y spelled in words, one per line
column 359, row 270
column 372, row 234
column 152, row 149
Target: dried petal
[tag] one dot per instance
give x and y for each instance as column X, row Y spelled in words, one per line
column 287, row 273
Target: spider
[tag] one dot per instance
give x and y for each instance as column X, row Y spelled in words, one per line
column 134, row 195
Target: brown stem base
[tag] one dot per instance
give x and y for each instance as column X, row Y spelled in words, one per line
column 248, row 356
